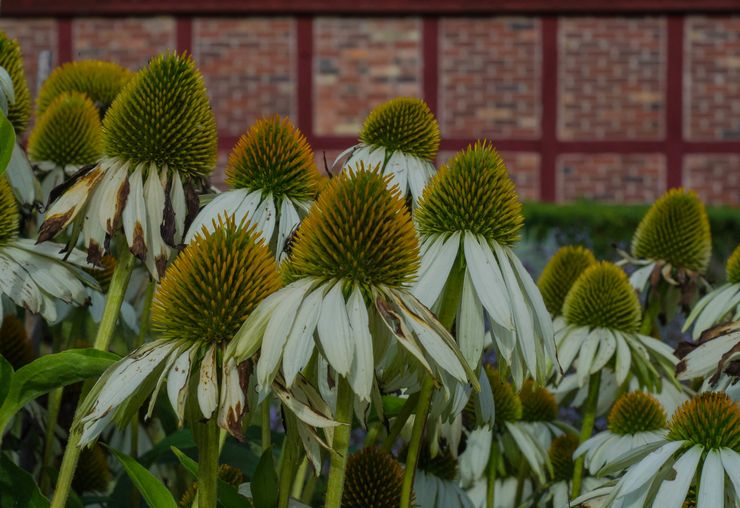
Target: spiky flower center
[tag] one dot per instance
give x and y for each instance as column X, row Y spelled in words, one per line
column 538, row 404
column 9, row 215
column 733, row 266
column 710, row 419
column 213, row 285
column 93, row 473
column 404, row 124
column 12, row 61
column 560, row 273
column 561, row 456
column 229, row 474
column 373, row 480
column 676, row 230
column 472, row 192
column 442, row 465
column 98, row 80
column 15, row 346
column 506, row 401
column 357, row 230
column 602, row 297
column 162, row 116
column 636, row 412
column 69, row 132
column 274, row 156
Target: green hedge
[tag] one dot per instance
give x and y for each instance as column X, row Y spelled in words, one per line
column 603, row 226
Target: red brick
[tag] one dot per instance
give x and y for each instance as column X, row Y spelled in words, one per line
column 612, row 178
column 611, row 78
column 359, row 63
column 715, row 177
column 249, row 67
column 712, row 88
column 130, row 42
column 489, row 79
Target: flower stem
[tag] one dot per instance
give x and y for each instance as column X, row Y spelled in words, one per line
column 400, row 421
column 492, row 464
column 116, row 293
column 340, row 445
column 291, row 457
column 265, row 424
column 412, row 456
column 520, row 481
column 587, row 427
column 649, row 324
column 208, row 452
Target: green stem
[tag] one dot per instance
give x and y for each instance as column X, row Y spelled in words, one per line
column 291, row 457
column 208, row 452
column 650, row 317
column 116, row 293
column 589, row 417
column 300, row 478
column 340, row 445
column 400, row 421
column 492, row 465
column 520, row 481
column 372, row 434
column 412, row 456
column 53, row 405
column 265, row 425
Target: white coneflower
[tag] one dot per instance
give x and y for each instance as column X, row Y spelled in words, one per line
column 701, row 452
column 65, row 138
column 159, row 139
column 715, row 359
column 557, row 493
column 15, row 103
column 205, row 296
column 436, row 484
column 468, row 218
column 402, row 137
column 273, row 180
column 35, row 276
column 636, row 419
column 354, row 255
column 719, row 305
column 602, row 313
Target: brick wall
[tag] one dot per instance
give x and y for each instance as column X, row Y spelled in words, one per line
column 622, row 132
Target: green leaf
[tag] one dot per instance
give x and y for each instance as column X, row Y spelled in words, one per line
column 228, row 496
column 17, row 487
column 6, row 374
column 7, row 142
column 160, row 452
column 52, row 371
column 265, row 482
column 151, row 489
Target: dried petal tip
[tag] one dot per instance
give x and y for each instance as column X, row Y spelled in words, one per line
column 733, row 267
column 98, row 80
column 472, row 192
column 373, row 480
column 358, row 230
column 9, row 216
column 636, row 412
column 404, row 124
column 274, row 156
column 11, row 60
column 561, row 456
column 560, row 273
column 710, row 419
column 675, row 230
column 505, row 399
column 603, row 298
column 538, row 404
column 214, row 284
column 162, row 116
column 68, row 133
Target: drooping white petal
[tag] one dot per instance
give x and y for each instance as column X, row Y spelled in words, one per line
column 157, row 251
column 171, row 357
column 299, row 346
column 92, row 229
column 20, row 176
column 435, row 269
column 134, row 215
column 304, row 411
column 248, row 339
column 264, row 217
column 179, row 205
column 223, row 205
column 50, row 276
column 63, row 211
column 642, row 472
column 488, row 280
column 288, row 221
column 114, row 195
column 470, row 324
column 208, row 383
column 334, row 331
column 529, row 448
column 363, row 360
column 712, row 483
column 731, row 463
column 607, row 348
column 177, row 381
column 233, row 399
column 586, row 355
column 623, row 359
column 17, row 285
column 713, row 313
column 673, row 492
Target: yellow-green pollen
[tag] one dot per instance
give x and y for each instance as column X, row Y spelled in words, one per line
column 733, row 267
column 472, row 192
column 373, row 479
column 274, row 157
column 602, row 297
column 560, row 273
column 68, row 133
column 506, row 400
column 9, row 215
column 561, row 456
column 359, row 231
column 163, row 116
column 675, row 230
column 710, row 419
column 214, row 284
column 636, row 412
column 98, row 80
column 404, row 124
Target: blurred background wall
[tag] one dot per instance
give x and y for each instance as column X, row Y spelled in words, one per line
column 611, row 101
